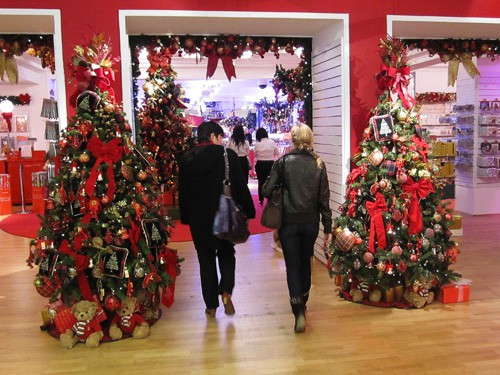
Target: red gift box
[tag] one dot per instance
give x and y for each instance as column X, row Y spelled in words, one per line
column 453, row 293
column 64, row 319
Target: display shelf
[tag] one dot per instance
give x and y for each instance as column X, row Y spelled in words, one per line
column 440, row 124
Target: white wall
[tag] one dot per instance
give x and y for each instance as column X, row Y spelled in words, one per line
column 36, row 84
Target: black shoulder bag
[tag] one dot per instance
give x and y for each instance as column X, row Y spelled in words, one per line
column 230, row 223
column 273, row 211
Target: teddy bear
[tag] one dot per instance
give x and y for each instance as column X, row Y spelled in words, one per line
column 419, row 294
column 360, row 290
column 87, row 329
column 128, row 320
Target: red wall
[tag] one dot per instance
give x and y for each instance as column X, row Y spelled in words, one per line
column 80, row 20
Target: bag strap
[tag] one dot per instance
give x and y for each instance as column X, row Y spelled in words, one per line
column 226, row 183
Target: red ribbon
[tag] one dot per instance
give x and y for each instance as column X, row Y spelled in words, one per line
column 397, row 81
column 134, row 235
column 227, row 64
column 81, row 264
column 377, row 228
column 107, row 153
column 103, row 80
column 421, row 146
column 418, row 190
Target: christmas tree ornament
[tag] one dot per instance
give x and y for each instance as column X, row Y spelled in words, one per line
column 401, row 266
column 376, row 157
column 437, row 218
column 142, row 175
column 368, row 257
column 402, row 177
column 381, row 266
column 438, row 228
column 112, row 302
column 84, row 158
column 397, row 250
column 356, row 264
column 71, row 271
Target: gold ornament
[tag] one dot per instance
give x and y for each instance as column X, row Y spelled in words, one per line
column 84, row 158
column 142, row 175
column 109, row 107
column 376, row 157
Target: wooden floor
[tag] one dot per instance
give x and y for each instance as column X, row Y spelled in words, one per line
column 341, row 337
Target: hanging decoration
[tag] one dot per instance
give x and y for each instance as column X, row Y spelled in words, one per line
column 11, row 45
column 457, row 51
column 21, row 99
column 277, row 114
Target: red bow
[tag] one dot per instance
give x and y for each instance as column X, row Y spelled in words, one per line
column 134, row 233
column 103, row 80
column 81, row 264
column 377, row 228
column 421, row 146
column 227, row 64
column 397, row 81
column 107, row 153
column 418, row 190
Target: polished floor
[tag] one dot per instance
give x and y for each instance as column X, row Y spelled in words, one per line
column 340, row 338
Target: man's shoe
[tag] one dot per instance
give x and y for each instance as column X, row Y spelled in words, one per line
column 228, row 304
column 210, row 312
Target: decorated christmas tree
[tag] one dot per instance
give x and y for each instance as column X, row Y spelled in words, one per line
column 392, row 244
column 164, row 129
column 104, row 236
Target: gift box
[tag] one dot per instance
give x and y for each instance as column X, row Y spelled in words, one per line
column 456, row 222
column 388, row 295
column 454, row 292
column 398, row 292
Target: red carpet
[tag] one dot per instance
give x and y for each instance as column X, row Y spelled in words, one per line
column 27, row 225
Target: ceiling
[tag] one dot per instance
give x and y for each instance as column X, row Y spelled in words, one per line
column 241, row 23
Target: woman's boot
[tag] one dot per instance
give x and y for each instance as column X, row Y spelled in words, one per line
column 298, row 311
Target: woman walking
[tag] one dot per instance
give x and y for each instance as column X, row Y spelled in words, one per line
column 239, row 144
column 302, row 175
column 265, row 151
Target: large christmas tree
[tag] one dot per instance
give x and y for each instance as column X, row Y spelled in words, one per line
column 164, row 129
column 104, row 236
column 392, row 244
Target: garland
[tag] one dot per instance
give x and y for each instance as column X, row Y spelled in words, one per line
column 21, row 99
column 436, row 97
column 457, row 51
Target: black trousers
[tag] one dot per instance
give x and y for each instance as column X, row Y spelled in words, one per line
column 244, row 166
column 212, row 252
column 263, row 169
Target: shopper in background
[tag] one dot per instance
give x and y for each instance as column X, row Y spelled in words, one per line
column 239, row 144
column 306, row 194
column 265, row 151
column 201, row 174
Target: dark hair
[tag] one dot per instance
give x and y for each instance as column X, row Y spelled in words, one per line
column 261, row 133
column 206, row 128
column 238, row 136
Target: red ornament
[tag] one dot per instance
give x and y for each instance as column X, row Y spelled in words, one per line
column 45, row 286
column 112, row 302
